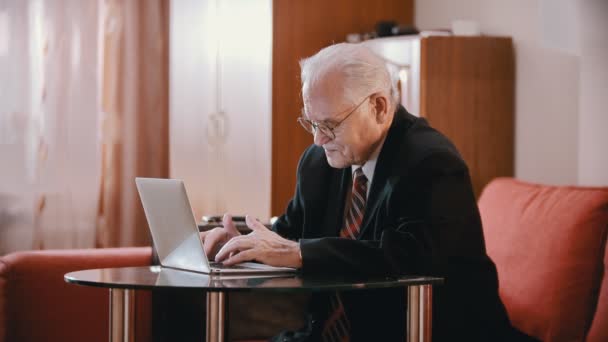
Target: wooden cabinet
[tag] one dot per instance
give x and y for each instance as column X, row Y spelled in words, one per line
column 467, row 91
column 466, row 85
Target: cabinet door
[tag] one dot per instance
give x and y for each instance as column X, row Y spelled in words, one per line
column 220, row 108
column 467, row 93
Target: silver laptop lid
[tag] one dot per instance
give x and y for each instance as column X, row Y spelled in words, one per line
column 172, row 224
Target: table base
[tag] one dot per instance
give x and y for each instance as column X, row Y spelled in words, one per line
column 122, row 314
column 216, row 316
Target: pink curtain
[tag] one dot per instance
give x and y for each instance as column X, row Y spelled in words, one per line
column 48, row 124
column 134, row 126
column 83, row 110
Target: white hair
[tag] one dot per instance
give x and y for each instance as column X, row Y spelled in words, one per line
column 362, row 71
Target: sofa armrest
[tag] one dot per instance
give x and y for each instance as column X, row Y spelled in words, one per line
column 36, row 304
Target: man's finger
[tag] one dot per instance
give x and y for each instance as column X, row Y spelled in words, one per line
column 254, row 224
column 247, row 255
column 205, row 235
column 229, row 225
column 211, row 242
column 236, row 244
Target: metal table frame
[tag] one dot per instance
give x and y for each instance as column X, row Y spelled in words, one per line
column 122, row 314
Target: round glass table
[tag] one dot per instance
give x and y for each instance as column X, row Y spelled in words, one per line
column 122, row 282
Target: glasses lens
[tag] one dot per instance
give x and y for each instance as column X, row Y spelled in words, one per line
column 326, row 131
column 311, row 128
column 307, row 125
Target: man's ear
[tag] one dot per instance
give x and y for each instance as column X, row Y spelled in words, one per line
column 381, row 107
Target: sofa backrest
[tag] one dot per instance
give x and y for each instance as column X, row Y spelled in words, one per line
column 36, row 304
column 549, row 245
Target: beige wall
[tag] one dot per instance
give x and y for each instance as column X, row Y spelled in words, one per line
column 593, row 93
column 560, row 79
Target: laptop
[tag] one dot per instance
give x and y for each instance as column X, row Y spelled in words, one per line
column 175, row 232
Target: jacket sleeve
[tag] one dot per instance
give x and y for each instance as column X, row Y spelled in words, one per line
column 290, row 224
column 429, row 215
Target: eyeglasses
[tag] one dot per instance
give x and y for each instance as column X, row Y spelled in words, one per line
column 312, row 127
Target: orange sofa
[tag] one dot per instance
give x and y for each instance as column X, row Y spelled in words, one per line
column 548, row 242
column 549, row 246
column 36, row 304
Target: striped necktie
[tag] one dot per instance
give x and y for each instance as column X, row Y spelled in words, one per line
column 337, row 326
column 356, row 206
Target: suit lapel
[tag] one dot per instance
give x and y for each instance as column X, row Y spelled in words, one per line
column 388, row 154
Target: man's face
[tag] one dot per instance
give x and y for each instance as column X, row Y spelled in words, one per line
column 358, row 132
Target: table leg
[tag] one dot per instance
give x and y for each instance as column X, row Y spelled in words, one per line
column 122, row 313
column 216, row 316
column 419, row 313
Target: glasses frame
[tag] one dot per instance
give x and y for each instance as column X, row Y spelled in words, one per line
column 312, row 127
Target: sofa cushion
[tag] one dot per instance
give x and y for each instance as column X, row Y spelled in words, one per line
column 548, row 243
column 36, row 304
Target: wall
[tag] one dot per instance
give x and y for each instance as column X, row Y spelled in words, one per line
column 593, row 93
column 559, row 80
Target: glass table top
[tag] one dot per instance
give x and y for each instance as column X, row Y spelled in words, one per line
column 156, row 277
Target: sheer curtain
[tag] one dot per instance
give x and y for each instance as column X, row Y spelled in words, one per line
column 49, row 111
column 83, row 109
column 134, row 128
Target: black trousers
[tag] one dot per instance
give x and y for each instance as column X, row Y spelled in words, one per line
column 178, row 315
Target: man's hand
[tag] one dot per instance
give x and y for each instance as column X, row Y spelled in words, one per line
column 262, row 245
column 215, row 238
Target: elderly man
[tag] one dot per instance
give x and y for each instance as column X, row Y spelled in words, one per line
column 379, row 193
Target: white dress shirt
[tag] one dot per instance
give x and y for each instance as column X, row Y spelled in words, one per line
column 370, row 166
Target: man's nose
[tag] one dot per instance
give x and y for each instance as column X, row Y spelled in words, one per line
column 320, row 138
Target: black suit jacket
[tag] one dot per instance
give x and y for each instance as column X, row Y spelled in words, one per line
column 421, row 219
